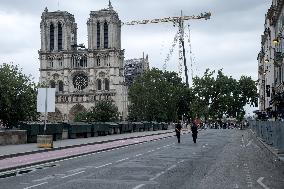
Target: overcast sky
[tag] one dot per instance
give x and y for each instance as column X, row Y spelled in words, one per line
column 229, row 40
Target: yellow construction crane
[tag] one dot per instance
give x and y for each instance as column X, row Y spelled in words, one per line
column 177, row 21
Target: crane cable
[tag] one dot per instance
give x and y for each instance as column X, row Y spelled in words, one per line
column 171, row 51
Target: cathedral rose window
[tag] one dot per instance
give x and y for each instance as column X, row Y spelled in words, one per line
column 80, row 81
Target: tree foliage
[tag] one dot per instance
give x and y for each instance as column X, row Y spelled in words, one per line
column 103, row 111
column 17, row 96
column 221, row 95
column 158, row 96
column 162, row 96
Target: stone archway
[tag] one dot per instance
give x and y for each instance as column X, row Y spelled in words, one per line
column 55, row 116
column 75, row 110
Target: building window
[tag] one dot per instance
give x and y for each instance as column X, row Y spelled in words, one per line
column 105, row 35
column 98, row 61
column 60, row 64
column 268, row 90
column 51, row 64
column 60, row 86
column 99, row 82
column 98, row 35
column 51, row 37
column 52, row 84
column 59, row 36
column 106, row 84
column 79, row 61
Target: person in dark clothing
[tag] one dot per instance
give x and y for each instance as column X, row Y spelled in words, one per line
column 178, row 131
column 194, row 132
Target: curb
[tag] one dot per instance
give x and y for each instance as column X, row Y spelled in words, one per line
column 62, row 158
column 272, row 150
column 73, row 146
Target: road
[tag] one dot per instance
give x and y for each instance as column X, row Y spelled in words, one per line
column 220, row 159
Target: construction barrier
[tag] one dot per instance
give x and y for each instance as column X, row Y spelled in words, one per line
column 271, row 132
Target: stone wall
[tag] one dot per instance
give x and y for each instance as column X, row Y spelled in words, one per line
column 13, row 137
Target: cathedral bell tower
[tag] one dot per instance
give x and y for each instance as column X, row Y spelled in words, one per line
column 82, row 76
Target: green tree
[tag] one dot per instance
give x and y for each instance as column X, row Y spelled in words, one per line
column 158, row 96
column 221, row 95
column 17, row 96
column 103, row 111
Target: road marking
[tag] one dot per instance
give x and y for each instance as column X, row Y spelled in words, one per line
column 259, row 181
column 139, row 186
column 36, row 185
column 121, row 160
column 73, row 174
column 171, row 167
column 181, row 161
column 249, row 143
column 138, row 155
column 44, row 178
column 76, row 170
column 157, row 175
column 103, row 165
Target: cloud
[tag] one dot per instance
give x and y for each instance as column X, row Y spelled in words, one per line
column 229, row 40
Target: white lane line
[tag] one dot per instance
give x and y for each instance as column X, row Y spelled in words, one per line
column 44, row 178
column 171, row 167
column 157, row 175
column 138, row 155
column 139, row 186
column 259, row 181
column 181, row 161
column 76, row 170
column 103, row 165
column 36, row 185
column 158, row 148
column 121, row 160
column 73, row 174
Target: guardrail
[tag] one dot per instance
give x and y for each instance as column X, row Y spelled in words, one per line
column 271, row 132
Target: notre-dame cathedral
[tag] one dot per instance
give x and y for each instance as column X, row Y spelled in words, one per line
column 82, row 76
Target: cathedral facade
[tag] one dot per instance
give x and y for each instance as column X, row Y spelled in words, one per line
column 82, row 76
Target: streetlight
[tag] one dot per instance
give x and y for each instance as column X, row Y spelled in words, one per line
column 276, row 41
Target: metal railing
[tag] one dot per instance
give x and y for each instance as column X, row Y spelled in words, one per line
column 271, row 132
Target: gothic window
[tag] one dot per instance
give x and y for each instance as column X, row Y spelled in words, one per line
column 105, row 35
column 51, row 37
column 99, row 82
column 51, row 64
column 98, row 61
column 79, row 62
column 106, row 84
column 52, row 84
column 98, row 35
column 108, row 61
column 60, row 64
column 59, row 36
column 80, row 81
column 60, row 86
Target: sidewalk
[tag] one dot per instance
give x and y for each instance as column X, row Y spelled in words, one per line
column 23, row 149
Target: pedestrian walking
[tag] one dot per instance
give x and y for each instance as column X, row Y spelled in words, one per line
column 178, row 131
column 194, row 131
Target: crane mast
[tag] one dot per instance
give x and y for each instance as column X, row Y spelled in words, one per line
column 177, row 21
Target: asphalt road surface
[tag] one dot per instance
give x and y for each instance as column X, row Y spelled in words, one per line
column 220, row 159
